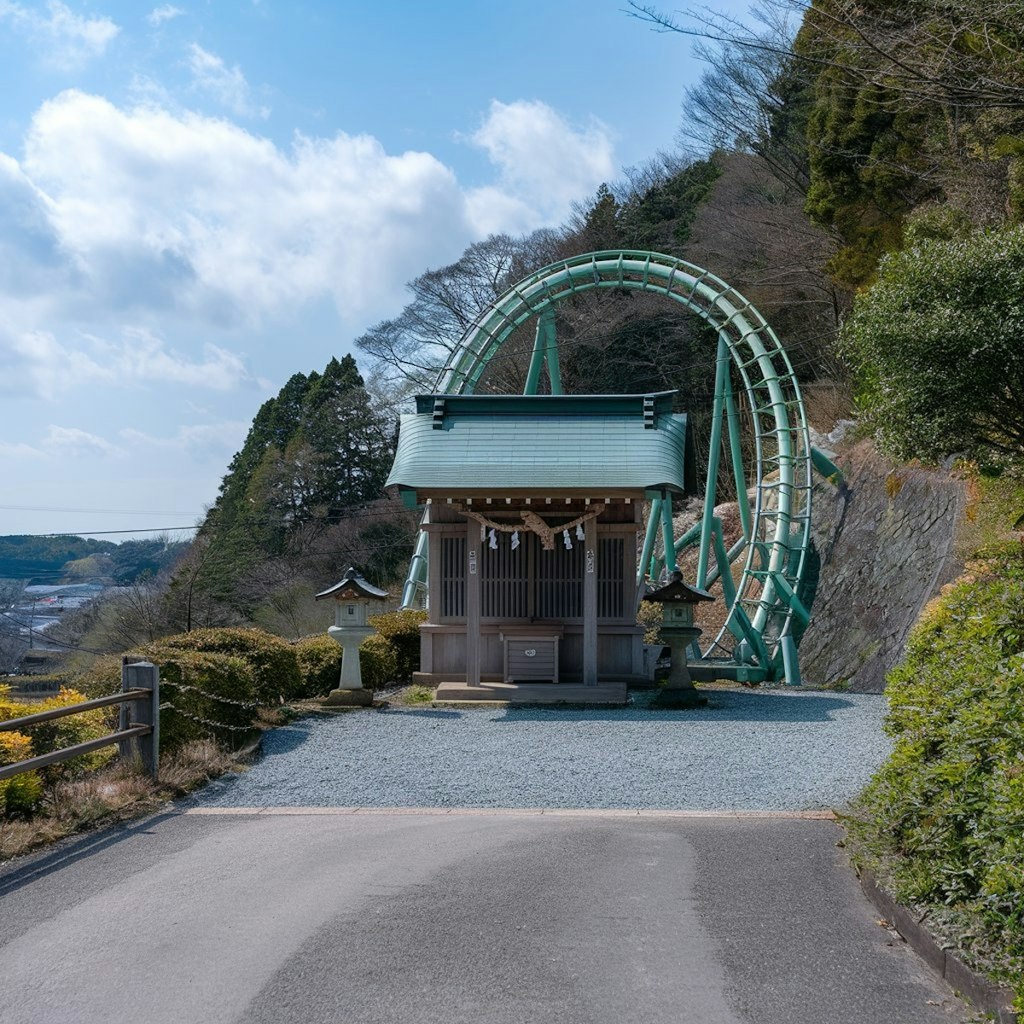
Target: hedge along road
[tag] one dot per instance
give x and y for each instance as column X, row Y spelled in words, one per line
column 209, row 913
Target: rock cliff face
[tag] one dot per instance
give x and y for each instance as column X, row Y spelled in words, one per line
column 884, row 542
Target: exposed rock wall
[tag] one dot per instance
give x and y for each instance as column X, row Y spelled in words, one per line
column 884, row 540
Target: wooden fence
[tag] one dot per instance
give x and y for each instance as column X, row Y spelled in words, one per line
column 138, row 732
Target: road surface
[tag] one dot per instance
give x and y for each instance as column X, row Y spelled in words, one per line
column 300, row 917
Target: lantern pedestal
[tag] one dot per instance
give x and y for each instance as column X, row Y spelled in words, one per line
column 350, row 689
column 679, row 691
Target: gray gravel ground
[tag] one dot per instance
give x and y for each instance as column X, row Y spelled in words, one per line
column 761, row 750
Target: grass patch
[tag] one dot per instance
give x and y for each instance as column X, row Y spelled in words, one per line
column 414, row 695
column 115, row 793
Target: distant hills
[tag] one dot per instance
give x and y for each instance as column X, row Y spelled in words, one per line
column 48, row 560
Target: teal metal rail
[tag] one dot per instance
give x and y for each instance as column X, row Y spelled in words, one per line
column 763, row 607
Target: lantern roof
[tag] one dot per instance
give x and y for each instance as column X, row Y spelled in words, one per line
column 676, row 590
column 351, row 587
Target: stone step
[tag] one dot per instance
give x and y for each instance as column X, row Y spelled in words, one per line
column 535, row 693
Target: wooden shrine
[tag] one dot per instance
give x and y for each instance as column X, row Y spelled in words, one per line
column 533, row 509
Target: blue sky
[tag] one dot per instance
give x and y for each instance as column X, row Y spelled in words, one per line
column 199, row 199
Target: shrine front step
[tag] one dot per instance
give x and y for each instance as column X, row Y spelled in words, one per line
column 614, row 694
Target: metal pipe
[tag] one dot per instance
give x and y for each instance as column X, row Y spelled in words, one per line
column 666, row 532
column 714, row 453
column 736, row 454
column 653, row 520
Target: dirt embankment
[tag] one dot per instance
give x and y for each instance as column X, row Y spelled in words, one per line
column 884, row 542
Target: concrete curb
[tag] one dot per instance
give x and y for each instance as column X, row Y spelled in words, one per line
column 984, row 994
column 531, row 812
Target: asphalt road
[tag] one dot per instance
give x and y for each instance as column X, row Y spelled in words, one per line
column 482, row 918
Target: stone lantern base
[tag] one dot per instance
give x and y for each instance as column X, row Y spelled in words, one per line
column 350, row 691
column 679, row 692
column 348, row 699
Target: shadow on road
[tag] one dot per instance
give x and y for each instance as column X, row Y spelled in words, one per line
column 74, row 850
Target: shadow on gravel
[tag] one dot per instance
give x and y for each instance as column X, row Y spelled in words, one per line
column 285, row 738
column 422, row 712
column 731, row 707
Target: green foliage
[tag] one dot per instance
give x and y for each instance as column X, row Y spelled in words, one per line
column 100, row 678
column 191, row 682
column 319, row 660
column 271, row 660
column 19, row 796
column 401, row 630
column 378, row 662
column 416, row 695
column 936, row 346
column 946, row 812
column 313, row 453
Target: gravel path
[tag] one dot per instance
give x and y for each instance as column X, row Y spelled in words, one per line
column 763, row 750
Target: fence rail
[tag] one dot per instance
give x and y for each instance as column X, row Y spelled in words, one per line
column 138, row 733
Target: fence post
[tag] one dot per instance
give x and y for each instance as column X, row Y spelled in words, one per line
column 143, row 675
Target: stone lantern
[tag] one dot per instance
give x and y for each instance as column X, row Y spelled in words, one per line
column 355, row 601
column 677, row 600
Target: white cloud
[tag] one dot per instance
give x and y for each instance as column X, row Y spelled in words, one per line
column 68, row 40
column 154, row 210
column 40, row 365
column 166, row 12
column 117, row 218
column 544, row 162
column 73, row 441
column 226, row 85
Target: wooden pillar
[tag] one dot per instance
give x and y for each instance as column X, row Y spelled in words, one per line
column 590, row 603
column 473, row 604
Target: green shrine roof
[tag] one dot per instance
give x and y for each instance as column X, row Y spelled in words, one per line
column 541, row 442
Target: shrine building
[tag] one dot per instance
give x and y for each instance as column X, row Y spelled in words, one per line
column 534, row 507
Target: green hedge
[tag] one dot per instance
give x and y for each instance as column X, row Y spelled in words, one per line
column 944, row 817
column 275, row 669
column 378, row 662
column 319, row 660
column 190, row 684
column 402, row 631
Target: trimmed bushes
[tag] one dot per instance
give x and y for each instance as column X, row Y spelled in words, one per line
column 203, row 695
column 401, row 629
column 275, row 670
column 378, row 662
column 944, row 817
column 319, row 660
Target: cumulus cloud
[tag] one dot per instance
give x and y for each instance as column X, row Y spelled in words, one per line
column 544, row 162
column 125, row 216
column 166, row 12
column 37, row 363
column 193, row 214
column 227, row 86
column 67, row 40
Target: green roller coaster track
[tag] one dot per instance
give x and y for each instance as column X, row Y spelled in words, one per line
column 767, row 607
